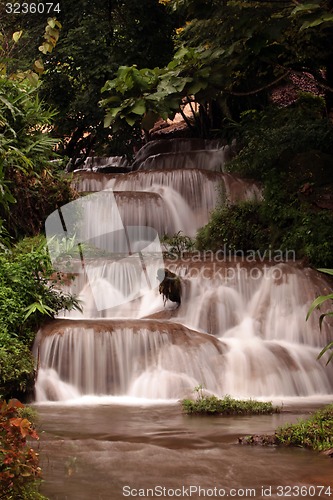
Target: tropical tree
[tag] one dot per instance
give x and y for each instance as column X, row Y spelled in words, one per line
column 229, row 63
column 143, row 96
column 286, row 36
column 28, row 181
column 97, row 37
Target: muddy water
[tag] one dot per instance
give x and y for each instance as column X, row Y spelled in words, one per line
column 113, row 451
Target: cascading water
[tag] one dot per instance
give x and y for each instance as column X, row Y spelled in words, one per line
column 240, row 329
column 141, row 359
column 183, row 198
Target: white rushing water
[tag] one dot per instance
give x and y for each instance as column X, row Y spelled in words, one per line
column 240, row 328
column 245, row 337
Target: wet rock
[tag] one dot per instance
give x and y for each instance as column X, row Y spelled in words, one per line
column 259, row 440
column 170, row 286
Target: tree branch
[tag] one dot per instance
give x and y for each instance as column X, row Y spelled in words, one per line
column 317, row 81
column 260, row 89
column 186, row 120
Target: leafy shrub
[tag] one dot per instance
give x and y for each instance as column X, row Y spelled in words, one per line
column 310, row 236
column 30, row 184
column 290, row 151
column 28, row 295
column 239, row 227
column 258, row 227
column 16, row 367
column 211, row 405
column 19, row 469
column 26, row 279
column 267, row 135
column 177, row 245
column 37, row 196
column 315, row 432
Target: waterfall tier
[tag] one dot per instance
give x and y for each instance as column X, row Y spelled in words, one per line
column 180, row 145
column 168, row 200
column 212, row 160
column 151, row 359
column 245, row 335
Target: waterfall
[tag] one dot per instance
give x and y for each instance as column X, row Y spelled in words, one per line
column 240, row 329
column 180, row 145
column 212, row 160
column 183, row 198
column 141, row 360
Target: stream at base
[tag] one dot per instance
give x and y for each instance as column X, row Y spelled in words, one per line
column 124, row 450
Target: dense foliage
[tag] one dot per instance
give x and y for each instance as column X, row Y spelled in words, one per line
column 19, row 469
column 29, row 295
column 240, row 227
column 314, row 432
column 217, row 56
column 290, row 151
column 143, row 96
column 283, row 132
column 31, row 186
column 97, row 37
column 227, row 63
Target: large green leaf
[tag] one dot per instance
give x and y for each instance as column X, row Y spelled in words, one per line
column 328, row 347
column 318, row 302
column 197, row 86
column 139, row 108
column 326, row 271
column 305, row 7
column 149, row 120
column 322, row 317
column 109, row 85
column 325, row 18
column 108, row 119
column 131, row 120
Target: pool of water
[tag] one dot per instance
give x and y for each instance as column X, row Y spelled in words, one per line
column 115, row 451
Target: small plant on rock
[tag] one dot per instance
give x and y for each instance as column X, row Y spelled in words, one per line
column 212, row 405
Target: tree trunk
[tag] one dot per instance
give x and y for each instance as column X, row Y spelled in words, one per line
column 329, row 93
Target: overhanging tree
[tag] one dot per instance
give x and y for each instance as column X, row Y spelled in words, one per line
column 232, row 54
column 97, row 37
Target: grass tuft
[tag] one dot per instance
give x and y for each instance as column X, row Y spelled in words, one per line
column 211, row 405
column 315, row 432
